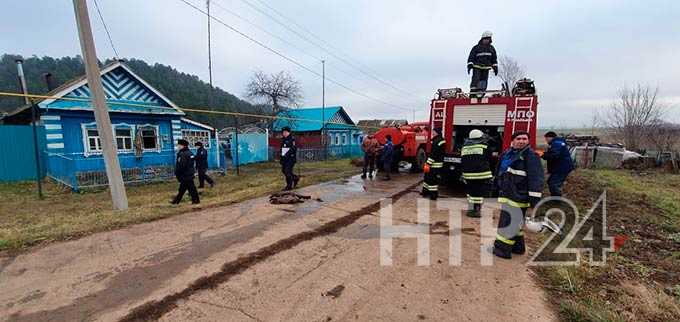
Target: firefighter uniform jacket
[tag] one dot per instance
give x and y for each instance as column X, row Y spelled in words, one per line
column 519, row 178
column 476, row 160
column 288, row 150
column 483, row 57
column 184, row 165
column 436, row 158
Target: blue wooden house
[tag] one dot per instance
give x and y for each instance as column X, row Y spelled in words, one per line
column 146, row 126
column 343, row 137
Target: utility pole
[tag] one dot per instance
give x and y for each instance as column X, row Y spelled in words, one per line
column 324, row 142
column 207, row 3
column 101, row 112
column 36, row 149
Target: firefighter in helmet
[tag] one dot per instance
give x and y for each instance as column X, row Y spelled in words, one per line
column 520, row 187
column 476, row 169
column 433, row 166
column 482, row 58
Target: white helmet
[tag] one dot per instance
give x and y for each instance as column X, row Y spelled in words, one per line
column 487, row 34
column 475, row 134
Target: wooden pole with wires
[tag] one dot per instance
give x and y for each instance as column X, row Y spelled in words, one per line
column 101, row 112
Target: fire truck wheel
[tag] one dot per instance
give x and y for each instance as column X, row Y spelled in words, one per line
column 419, row 161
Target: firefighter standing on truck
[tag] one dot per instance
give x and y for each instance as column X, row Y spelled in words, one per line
column 520, row 186
column 476, row 169
column 482, row 59
column 433, row 166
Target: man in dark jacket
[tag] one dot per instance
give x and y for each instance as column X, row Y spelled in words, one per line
column 202, row 165
column 288, row 158
column 482, row 58
column 184, row 172
column 476, row 170
column 433, row 166
column 520, row 186
column 387, row 155
column 559, row 162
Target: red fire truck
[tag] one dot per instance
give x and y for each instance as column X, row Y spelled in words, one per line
column 498, row 114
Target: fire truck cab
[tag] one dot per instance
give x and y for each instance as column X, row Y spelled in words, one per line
column 498, row 114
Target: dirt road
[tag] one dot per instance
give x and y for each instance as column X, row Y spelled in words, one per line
column 317, row 261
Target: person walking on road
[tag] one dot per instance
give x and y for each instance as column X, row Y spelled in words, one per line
column 559, row 162
column 482, row 58
column 476, row 169
column 184, row 172
column 202, row 166
column 288, row 158
column 520, row 187
column 370, row 147
column 387, row 156
column 433, row 166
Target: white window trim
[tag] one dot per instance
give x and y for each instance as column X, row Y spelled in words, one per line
column 86, row 142
column 158, row 134
column 132, row 136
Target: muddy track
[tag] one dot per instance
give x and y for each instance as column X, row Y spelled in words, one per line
column 153, row 310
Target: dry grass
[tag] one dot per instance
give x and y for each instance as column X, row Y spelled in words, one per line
column 25, row 220
column 639, row 281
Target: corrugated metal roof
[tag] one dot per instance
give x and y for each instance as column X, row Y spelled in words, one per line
column 308, row 115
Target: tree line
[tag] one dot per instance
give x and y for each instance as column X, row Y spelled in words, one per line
column 183, row 89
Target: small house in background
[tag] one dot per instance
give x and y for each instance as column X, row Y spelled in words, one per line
column 146, row 126
column 343, row 136
column 371, row 126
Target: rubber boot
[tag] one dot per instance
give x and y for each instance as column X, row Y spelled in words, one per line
column 472, row 211
column 518, row 248
column 424, row 192
column 434, row 195
column 502, row 249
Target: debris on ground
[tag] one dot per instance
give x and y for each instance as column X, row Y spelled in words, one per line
column 287, row 197
column 335, row 292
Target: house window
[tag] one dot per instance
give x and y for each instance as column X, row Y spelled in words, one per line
column 193, row 136
column 337, row 139
column 344, row 139
column 124, row 138
column 94, row 143
column 149, row 137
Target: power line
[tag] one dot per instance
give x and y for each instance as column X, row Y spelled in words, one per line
column 372, row 75
column 291, row 59
column 108, row 34
column 283, row 40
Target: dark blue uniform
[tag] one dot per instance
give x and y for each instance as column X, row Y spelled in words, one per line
column 202, row 167
column 184, row 172
column 288, row 159
column 387, row 156
column 520, row 186
column 482, row 58
column 559, row 163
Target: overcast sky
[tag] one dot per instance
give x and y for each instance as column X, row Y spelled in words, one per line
column 577, row 52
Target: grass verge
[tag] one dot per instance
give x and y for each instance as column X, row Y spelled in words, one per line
column 62, row 215
column 639, row 282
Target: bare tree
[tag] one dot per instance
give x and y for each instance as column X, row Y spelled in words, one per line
column 278, row 90
column 634, row 115
column 665, row 136
column 509, row 71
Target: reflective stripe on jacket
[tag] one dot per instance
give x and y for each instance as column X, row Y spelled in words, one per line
column 483, row 56
column 476, row 160
column 520, row 178
column 436, row 158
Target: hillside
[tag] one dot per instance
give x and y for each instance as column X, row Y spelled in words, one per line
column 182, row 88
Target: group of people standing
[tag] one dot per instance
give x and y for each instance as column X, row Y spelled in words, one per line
column 375, row 153
column 518, row 178
column 186, row 165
